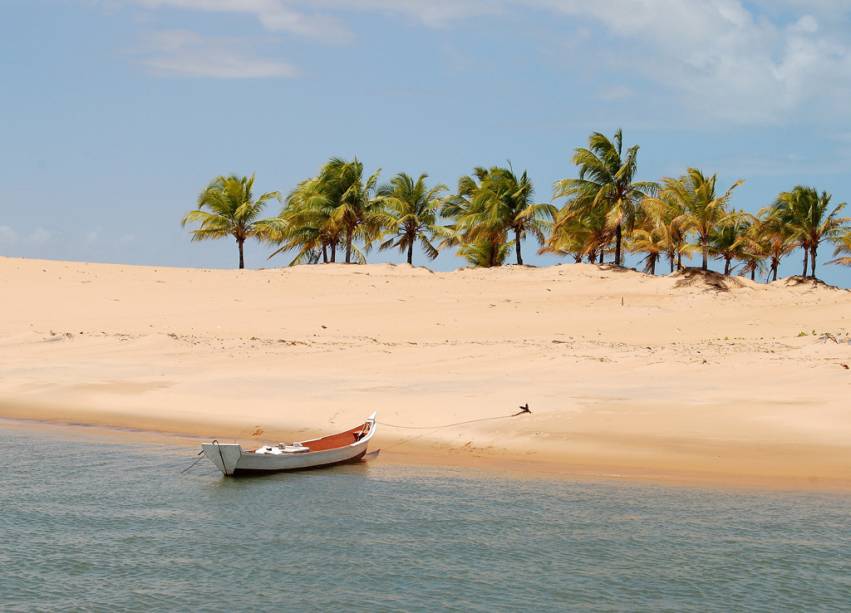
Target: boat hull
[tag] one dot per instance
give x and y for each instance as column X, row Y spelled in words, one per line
column 233, row 460
column 247, row 472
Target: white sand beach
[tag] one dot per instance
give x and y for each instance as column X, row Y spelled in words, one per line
column 628, row 376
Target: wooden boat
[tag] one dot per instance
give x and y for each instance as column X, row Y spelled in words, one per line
column 348, row 446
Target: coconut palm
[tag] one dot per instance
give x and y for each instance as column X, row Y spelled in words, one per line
column 703, row 209
column 356, row 210
column 227, row 207
column 508, row 198
column 776, row 238
column 729, row 238
column 653, row 241
column 755, row 248
column 465, row 229
column 410, row 213
column 493, row 202
column 843, row 246
column 485, row 252
column 587, row 230
column 668, row 213
column 307, row 225
column 811, row 219
column 606, row 181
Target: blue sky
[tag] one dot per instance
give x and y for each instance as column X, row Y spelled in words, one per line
column 115, row 113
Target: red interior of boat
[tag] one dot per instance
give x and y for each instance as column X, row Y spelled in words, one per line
column 337, row 440
column 334, row 441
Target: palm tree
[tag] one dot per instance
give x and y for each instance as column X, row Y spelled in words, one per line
column 307, row 225
column 728, row 240
column 493, row 202
column 573, row 235
column 669, row 215
column 411, row 213
column 776, row 237
column 508, row 198
column 843, row 246
column 652, row 241
column 356, row 211
column 811, row 219
column 703, row 209
column 606, row 181
column 485, row 252
column 227, row 207
column 755, row 248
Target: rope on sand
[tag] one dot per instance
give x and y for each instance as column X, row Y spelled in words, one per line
column 523, row 409
column 458, row 423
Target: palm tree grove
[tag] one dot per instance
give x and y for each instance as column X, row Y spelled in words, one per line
column 341, row 214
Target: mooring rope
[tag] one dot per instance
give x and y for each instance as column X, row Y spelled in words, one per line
column 185, row 470
column 458, row 423
column 442, row 426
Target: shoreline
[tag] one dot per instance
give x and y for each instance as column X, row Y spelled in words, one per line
column 406, row 452
column 649, row 378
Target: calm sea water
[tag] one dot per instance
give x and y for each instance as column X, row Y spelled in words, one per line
column 94, row 526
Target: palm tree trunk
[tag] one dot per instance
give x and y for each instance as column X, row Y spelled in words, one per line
column 411, row 251
column 813, row 252
column 618, row 237
column 349, row 247
column 679, row 257
column 240, row 242
column 705, row 245
column 334, row 252
column 517, row 247
column 652, row 265
column 753, row 273
column 775, row 264
column 806, row 263
column 324, row 253
column 727, row 266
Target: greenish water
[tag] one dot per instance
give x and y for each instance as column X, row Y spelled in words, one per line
column 99, row 526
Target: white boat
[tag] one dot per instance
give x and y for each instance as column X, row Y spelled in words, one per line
column 348, row 446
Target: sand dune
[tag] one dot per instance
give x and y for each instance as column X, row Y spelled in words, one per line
column 671, row 378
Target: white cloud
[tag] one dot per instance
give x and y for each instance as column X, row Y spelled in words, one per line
column 721, row 58
column 185, row 53
column 274, row 15
column 434, row 13
column 749, row 63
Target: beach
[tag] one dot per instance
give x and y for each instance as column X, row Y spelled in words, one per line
column 628, row 376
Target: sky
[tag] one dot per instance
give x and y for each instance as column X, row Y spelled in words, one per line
column 116, row 113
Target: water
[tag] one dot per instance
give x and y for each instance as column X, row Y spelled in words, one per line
column 87, row 525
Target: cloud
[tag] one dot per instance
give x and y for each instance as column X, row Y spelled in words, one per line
column 274, row 15
column 433, row 13
column 185, row 53
column 758, row 62
column 721, row 58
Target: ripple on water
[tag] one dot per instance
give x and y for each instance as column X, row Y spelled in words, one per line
column 117, row 526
